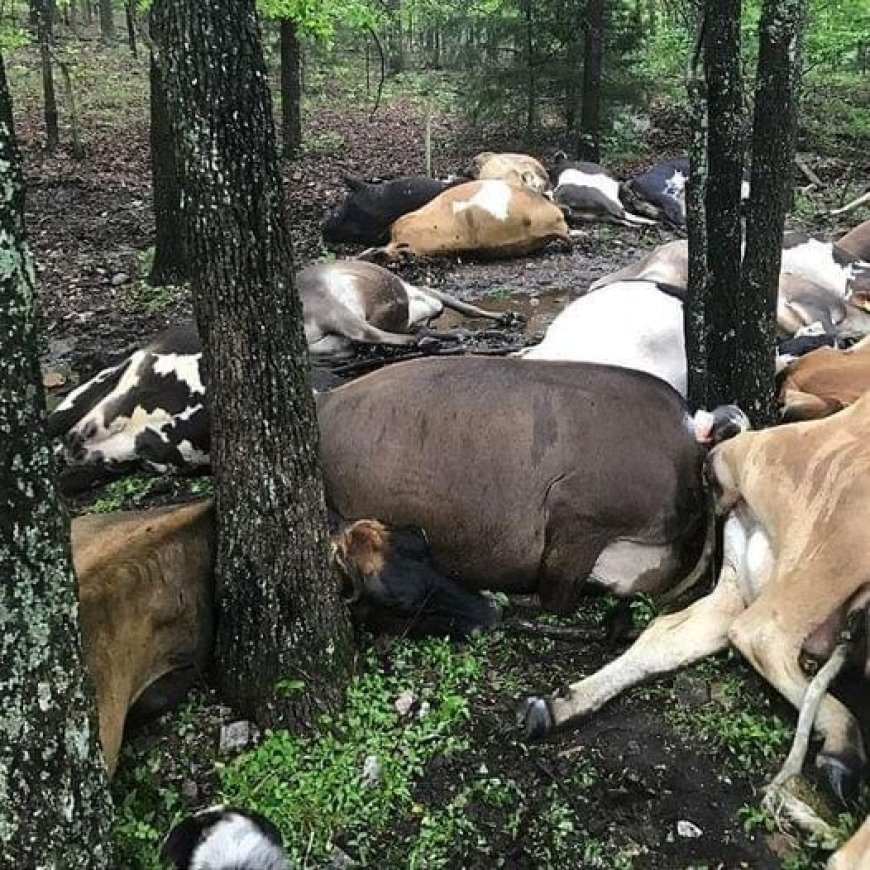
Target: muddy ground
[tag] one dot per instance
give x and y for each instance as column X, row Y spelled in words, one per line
column 90, row 226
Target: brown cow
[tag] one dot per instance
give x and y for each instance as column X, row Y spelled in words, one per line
column 796, row 566
column 518, row 169
column 145, row 591
column 825, row 381
column 486, row 218
column 857, row 241
column 855, row 854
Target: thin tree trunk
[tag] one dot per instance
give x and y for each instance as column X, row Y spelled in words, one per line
column 87, row 11
column 130, row 15
column 107, row 21
column 43, row 30
column 170, row 258
column 531, row 83
column 590, row 120
column 78, row 149
column 56, row 810
column 291, row 89
column 283, row 639
column 725, row 174
column 773, row 146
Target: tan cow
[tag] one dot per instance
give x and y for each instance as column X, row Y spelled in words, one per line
column 857, row 241
column 145, row 591
column 517, row 169
column 796, row 566
column 825, row 381
column 486, row 218
column 855, row 854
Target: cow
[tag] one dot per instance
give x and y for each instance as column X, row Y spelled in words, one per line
column 526, row 477
column 633, row 324
column 818, row 283
column 856, row 243
column 855, row 854
column 225, row 838
column 589, row 193
column 145, row 608
column 150, row 408
column 517, row 169
column 660, row 191
column 824, row 381
column 365, row 215
column 485, row 218
column 794, row 498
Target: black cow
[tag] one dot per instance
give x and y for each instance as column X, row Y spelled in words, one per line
column 369, row 208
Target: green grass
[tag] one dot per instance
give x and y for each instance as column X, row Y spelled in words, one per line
column 117, row 494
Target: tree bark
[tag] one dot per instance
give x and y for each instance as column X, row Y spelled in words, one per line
column 291, row 89
column 283, row 638
column 130, row 15
column 590, row 119
column 773, row 147
column 531, row 78
column 725, row 173
column 107, row 21
column 42, row 9
column 56, row 809
column 170, row 258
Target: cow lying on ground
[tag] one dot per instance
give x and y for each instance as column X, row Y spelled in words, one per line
column 818, row 283
column 795, row 499
column 590, row 193
column 145, row 607
column 365, row 215
column 537, row 477
column 150, row 408
column 484, row 218
column 825, row 381
column 517, row 169
column 856, row 242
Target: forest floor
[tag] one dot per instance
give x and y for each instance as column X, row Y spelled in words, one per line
column 668, row 776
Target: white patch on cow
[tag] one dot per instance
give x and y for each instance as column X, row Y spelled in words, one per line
column 421, row 306
column 185, row 367
column 675, row 186
column 607, row 185
column 631, row 324
column 630, row 567
column 747, row 548
column 236, row 843
column 98, row 378
column 744, row 189
column 344, row 290
column 814, row 261
column 117, row 441
column 493, row 197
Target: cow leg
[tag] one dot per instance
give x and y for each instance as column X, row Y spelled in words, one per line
column 670, row 642
column 345, row 323
column 770, row 634
column 805, row 406
column 466, row 308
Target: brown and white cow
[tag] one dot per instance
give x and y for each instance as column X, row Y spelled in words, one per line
column 527, row 477
column 796, row 566
column 855, row 853
column 145, row 593
column 857, row 241
column 516, row 169
column 485, row 218
column 824, row 381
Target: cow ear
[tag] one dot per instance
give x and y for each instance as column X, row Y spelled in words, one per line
column 560, row 157
column 354, row 182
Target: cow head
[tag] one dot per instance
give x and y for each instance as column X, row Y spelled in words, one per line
column 390, row 584
column 357, row 217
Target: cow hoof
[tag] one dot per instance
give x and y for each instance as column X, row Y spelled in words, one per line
column 428, row 344
column 844, row 777
column 536, row 718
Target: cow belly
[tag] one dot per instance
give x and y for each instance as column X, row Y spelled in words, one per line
column 748, row 550
column 632, row 568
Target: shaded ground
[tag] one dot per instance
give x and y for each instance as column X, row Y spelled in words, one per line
column 608, row 794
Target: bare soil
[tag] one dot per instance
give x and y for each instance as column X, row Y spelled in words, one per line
column 90, row 225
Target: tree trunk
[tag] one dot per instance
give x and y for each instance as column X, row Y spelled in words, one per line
column 56, row 810
column 170, row 259
column 531, row 83
column 283, row 639
column 291, row 89
column 773, row 146
column 725, row 173
column 107, row 21
column 130, row 15
column 43, row 30
column 590, row 121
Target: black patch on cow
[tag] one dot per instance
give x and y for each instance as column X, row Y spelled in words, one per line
column 182, row 339
column 652, row 185
column 794, row 239
column 588, row 200
column 61, row 421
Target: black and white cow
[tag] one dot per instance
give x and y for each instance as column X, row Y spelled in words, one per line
column 589, row 193
column 365, row 215
column 150, row 408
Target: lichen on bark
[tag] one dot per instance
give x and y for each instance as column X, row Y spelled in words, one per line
column 55, row 809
